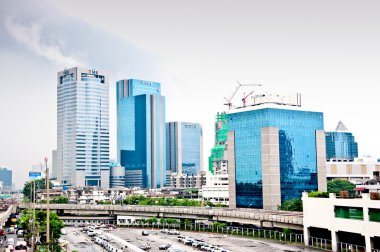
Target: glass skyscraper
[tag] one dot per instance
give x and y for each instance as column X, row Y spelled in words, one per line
column 6, row 177
column 340, row 144
column 274, row 154
column 141, row 133
column 82, row 155
column 184, row 147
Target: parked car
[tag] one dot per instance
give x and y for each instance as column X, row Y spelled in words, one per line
column 188, row 241
column 145, row 246
column 173, row 232
column 164, row 246
column 145, row 233
column 165, row 231
column 180, row 238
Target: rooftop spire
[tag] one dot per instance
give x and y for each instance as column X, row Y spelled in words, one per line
column 341, row 127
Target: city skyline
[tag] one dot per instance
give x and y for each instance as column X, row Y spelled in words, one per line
column 197, row 52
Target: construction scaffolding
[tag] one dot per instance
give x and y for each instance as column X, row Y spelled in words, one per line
column 217, row 152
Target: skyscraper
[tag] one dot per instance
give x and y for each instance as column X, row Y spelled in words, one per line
column 141, row 132
column 184, row 147
column 82, row 155
column 340, row 144
column 274, row 152
column 6, row 177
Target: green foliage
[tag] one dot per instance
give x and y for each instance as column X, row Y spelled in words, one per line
column 219, row 224
column 57, row 200
column 104, row 202
column 187, row 222
column 291, row 205
column 141, row 200
column 152, row 220
column 335, row 186
column 316, row 194
column 40, row 184
column 168, row 221
column 56, row 225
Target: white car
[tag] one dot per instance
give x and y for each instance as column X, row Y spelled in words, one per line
column 11, row 241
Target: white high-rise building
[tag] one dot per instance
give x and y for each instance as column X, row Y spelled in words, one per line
column 82, row 155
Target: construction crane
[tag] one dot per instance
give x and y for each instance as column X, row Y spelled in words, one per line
column 228, row 101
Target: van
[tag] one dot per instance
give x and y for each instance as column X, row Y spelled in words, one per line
column 11, row 230
column 20, row 233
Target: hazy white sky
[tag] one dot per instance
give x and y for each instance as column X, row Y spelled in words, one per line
column 326, row 50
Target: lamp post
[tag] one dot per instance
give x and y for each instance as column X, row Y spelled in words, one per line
column 47, row 206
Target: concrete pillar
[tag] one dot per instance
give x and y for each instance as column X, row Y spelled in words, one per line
column 306, row 235
column 320, row 144
column 368, row 243
column 270, row 163
column 334, row 240
column 231, row 169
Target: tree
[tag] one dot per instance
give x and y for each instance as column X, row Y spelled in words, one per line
column 40, row 184
column 291, row 205
column 335, row 186
column 56, row 225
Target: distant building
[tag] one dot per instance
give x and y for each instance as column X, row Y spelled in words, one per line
column 179, row 180
column 273, row 151
column 184, row 147
column 340, row 144
column 6, row 178
column 357, row 171
column 117, row 176
column 141, row 133
column 82, row 155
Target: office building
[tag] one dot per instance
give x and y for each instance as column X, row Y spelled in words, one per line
column 340, row 144
column 6, row 178
column 184, row 147
column 82, row 155
column 342, row 224
column 117, row 176
column 141, row 133
column 274, row 153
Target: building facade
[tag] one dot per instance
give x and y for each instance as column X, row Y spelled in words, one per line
column 184, row 147
column 340, row 144
column 216, row 189
column 275, row 153
column 6, row 178
column 343, row 224
column 117, row 176
column 141, row 147
column 82, row 155
column 180, row 180
column 357, row 171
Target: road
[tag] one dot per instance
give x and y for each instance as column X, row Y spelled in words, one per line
column 231, row 243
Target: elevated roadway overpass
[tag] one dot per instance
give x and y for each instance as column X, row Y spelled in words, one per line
column 257, row 217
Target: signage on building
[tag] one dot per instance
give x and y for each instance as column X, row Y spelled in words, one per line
column 35, row 175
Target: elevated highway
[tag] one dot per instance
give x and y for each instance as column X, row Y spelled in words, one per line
column 257, row 217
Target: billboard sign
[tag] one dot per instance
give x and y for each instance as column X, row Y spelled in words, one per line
column 35, row 175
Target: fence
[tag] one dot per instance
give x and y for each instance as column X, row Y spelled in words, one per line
column 320, row 243
column 346, row 247
column 237, row 231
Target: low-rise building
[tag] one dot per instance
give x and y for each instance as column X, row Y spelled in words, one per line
column 356, row 171
column 216, row 189
column 179, row 180
column 342, row 224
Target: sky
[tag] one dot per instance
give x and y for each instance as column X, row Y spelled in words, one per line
column 326, row 50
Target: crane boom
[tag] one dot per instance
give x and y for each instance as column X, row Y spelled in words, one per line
column 228, row 101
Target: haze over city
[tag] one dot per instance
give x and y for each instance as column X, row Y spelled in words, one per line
column 327, row 51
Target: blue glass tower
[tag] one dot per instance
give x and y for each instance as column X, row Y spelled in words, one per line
column 141, row 132
column 184, row 147
column 275, row 155
column 6, row 177
column 340, row 144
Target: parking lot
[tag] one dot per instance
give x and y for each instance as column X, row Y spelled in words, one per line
column 230, row 243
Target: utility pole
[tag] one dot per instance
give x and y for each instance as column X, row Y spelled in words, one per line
column 47, row 206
